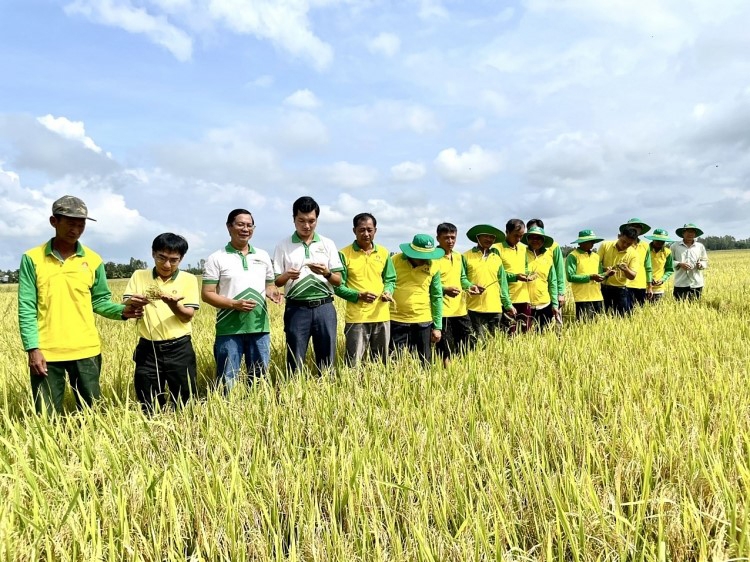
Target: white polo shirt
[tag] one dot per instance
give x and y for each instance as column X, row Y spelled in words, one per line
column 240, row 276
column 292, row 252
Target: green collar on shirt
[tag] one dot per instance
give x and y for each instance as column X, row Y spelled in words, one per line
column 358, row 248
column 490, row 251
column 155, row 274
column 50, row 251
column 297, row 240
column 232, row 250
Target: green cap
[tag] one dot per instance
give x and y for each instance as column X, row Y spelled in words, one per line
column 681, row 231
column 636, row 222
column 548, row 241
column 587, row 235
column 660, row 235
column 478, row 229
column 422, row 247
column 73, row 207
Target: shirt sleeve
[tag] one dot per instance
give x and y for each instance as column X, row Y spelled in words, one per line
column 436, row 299
column 502, row 283
column 552, row 286
column 668, row 268
column 389, row 276
column 649, row 269
column 27, row 303
column 572, row 270
column 131, row 288
column 559, row 260
column 334, row 258
column 192, row 298
column 342, row 291
column 270, row 276
column 279, row 266
column 101, row 297
column 703, row 257
column 211, row 271
column 465, row 283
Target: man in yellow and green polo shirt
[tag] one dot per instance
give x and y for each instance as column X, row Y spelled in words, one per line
column 559, row 261
column 584, row 271
column 489, row 298
column 638, row 287
column 542, row 277
column 661, row 263
column 367, row 283
column 513, row 253
column 61, row 284
column 620, row 266
column 164, row 356
column 457, row 335
column 417, row 314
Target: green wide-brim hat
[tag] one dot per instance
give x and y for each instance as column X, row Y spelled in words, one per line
column 548, row 241
column 632, row 222
column 587, row 236
column 660, row 235
column 478, row 229
column 681, row 231
column 422, row 247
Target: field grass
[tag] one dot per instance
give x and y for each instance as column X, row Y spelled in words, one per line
column 614, row 440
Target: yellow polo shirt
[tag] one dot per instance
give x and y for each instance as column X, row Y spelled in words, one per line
column 365, row 273
column 57, row 300
column 662, row 266
column 543, row 289
column 418, row 293
column 611, row 257
column 487, row 271
column 159, row 323
column 453, row 274
column 514, row 262
column 643, row 275
column 580, row 266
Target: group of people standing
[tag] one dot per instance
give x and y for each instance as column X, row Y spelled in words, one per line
column 423, row 297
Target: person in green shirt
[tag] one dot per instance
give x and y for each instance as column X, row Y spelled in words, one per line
column 662, row 265
column 583, row 268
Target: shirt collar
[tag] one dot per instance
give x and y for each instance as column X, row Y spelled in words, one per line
column 232, row 250
column 357, row 247
column 155, row 274
column 297, row 240
column 49, row 250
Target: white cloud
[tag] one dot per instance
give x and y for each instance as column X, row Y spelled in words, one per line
column 136, row 20
column 350, row 176
column 299, row 131
column 264, row 81
column 302, row 99
column 408, row 171
column 429, row 9
column 283, row 22
column 74, row 130
column 387, row 44
column 495, row 101
column 472, row 166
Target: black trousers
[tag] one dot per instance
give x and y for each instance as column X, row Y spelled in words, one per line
column 164, row 364
column 617, row 300
column 686, row 293
column 589, row 309
column 637, row 296
column 457, row 336
column 414, row 337
column 542, row 317
column 485, row 323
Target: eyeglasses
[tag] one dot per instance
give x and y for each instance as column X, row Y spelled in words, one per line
column 242, row 225
column 164, row 259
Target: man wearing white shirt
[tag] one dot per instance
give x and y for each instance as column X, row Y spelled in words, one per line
column 690, row 259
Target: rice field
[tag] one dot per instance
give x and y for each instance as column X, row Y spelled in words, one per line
column 620, row 439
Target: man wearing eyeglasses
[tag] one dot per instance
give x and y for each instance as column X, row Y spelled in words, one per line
column 164, row 356
column 236, row 280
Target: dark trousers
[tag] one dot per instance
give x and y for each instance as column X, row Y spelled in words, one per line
column 484, row 323
column 686, row 293
column 542, row 317
column 48, row 392
column 457, row 336
column 588, row 310
column 617, row 300
column 302, row 323
column 414, row 337
column 637, row 296
column 164, row 364
column 522, row 320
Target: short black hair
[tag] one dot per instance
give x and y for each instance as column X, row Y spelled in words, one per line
column 629, row 232
column 535, row 222
column 361, row 217
column 446, row 227
column 513, row 224
column 171, row 243
column 305, row 204
column 233, row 215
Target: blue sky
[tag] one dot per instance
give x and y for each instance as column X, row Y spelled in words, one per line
column 164, row 115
